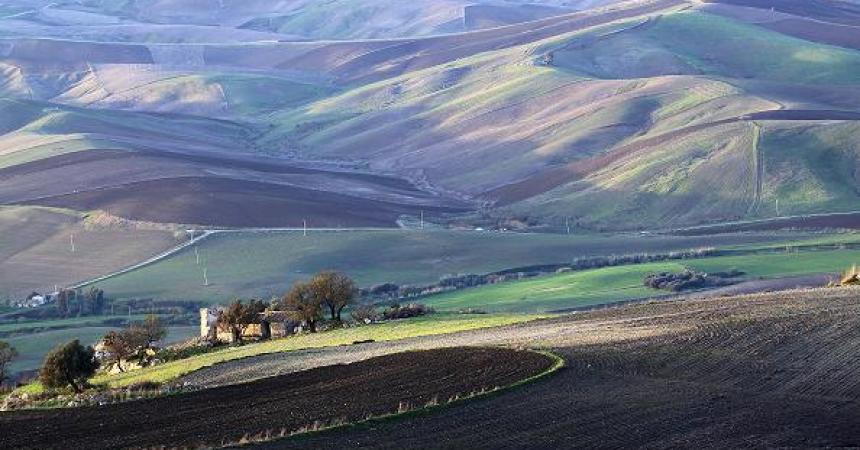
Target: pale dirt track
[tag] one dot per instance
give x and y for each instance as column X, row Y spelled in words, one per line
column 760, row 370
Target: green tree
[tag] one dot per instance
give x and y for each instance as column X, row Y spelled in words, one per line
column 7, row 354
column 334, row 290
column 69, row 364
column 303, row 305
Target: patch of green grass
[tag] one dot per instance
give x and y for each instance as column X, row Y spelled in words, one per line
column 612, row 284
column 33, row 347
column 783, row 264
column 568, row 290
column 71, row 322
column 721, row 46
column 266, row 264
column 390, row 331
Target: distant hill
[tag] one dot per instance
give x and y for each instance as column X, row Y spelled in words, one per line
column 625, row 115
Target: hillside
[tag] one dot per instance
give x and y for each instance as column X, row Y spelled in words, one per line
column 601, row 117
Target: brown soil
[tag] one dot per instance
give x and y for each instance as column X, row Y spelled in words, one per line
column 215, row 190
column 376, row 386
column 833, row 34
column 834, row 11
column 235, row 203
column 758, row 371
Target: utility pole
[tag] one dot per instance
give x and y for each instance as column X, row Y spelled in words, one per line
column 304, row 227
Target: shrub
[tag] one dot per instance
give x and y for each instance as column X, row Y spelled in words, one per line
column 407, row 311
column 69, row 364
column 364, row 313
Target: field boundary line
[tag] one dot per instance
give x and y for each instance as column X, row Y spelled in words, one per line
column 558, row 363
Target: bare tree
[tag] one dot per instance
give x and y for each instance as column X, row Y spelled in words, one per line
column 237, row 317
column 334, row 290
column 303, row 305
column 121, row 345
column 151, row 330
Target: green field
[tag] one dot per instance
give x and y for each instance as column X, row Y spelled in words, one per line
column 613, row 284
column 72, row 322
column 266, row 264
column 33, row 347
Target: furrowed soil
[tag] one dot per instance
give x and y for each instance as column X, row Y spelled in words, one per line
column 212, row 417
column 767, row 370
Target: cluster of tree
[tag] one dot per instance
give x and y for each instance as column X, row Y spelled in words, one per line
column 134, row 343
column 406, row 311
column 7, row 354
column 330, row 290
column 77, row 303
column 689, row 279
column 305, row 302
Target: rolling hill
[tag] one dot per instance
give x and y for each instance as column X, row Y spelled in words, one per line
column 594, row 112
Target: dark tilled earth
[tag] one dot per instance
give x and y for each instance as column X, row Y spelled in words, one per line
column 760, row 371
column 212, row 417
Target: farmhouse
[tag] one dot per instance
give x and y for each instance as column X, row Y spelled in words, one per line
column 35, row 300
column 271, row 324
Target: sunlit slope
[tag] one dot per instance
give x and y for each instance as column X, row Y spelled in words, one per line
column 36, row 130
column 623, row 121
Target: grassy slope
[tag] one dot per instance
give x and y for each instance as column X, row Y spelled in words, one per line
column 401, row 329
column 719, row 46
column 575, row 289
column 707, row 175
column 515, row 114
column 265, row 264
column 610, row 284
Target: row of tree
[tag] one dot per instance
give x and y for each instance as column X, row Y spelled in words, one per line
column 77, row 303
